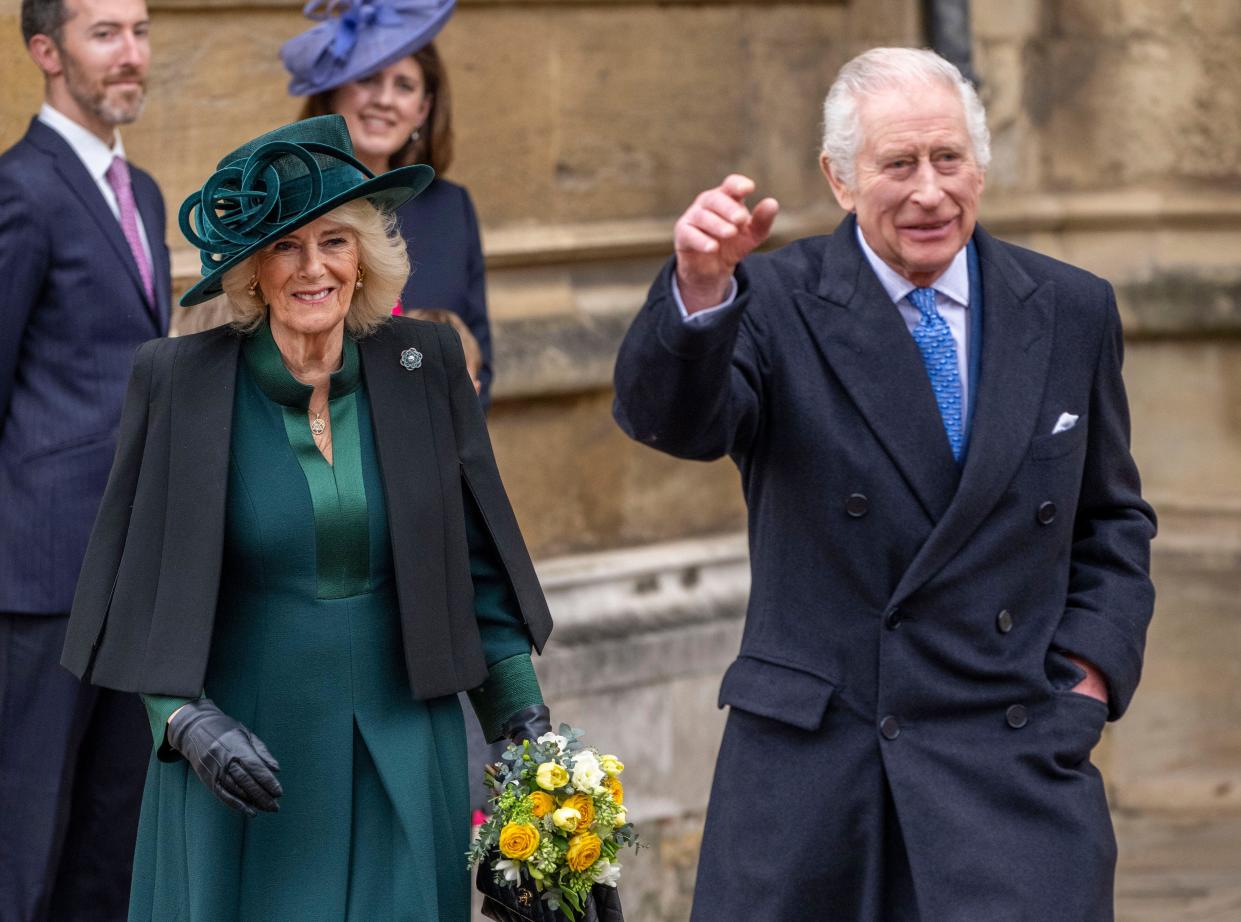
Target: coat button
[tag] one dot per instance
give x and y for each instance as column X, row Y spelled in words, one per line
column 1004, row 621
column 1047, row 513
column 893, row 618
column 890, row 728
column 857, row 505
column 1017, row 716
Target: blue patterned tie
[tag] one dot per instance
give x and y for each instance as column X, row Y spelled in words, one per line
column 939, row 354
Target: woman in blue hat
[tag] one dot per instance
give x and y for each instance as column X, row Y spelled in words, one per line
column 303, row 554
column 375, row 63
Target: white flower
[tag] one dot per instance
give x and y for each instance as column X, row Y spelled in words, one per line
column 607, row 873
column 587, row 775
column 510, row 869
column 556, row 738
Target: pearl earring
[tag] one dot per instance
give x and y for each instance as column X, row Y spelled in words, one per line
column 253, row 287
column 361, row 275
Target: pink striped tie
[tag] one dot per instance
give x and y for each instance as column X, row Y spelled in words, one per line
column 118, row 179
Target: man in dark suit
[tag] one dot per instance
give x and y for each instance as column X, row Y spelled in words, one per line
column 86, row 279
column 949, row 546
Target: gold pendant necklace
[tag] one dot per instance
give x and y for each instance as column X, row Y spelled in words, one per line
column 318, row 424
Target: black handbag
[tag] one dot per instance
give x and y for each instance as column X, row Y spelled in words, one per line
column 522, row 903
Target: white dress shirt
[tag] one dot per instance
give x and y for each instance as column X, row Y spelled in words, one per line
column 952, row 300
column 96, row 156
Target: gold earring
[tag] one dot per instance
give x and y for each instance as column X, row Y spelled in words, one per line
column 253, row 287
column 361, row 275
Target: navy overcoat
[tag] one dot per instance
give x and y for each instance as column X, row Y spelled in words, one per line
column 902, row 742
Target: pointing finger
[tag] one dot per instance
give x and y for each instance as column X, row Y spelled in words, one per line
column 764, row 217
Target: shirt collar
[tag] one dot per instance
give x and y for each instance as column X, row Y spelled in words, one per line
column 953, row 284
column 94, row 153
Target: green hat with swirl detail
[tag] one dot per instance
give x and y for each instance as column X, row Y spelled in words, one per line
column 277, row 183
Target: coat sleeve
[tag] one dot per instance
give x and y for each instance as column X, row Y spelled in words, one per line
column 511, row 683
column 93, row 595
column 509, row 604
column 24, row 258
column 1111, row 597
column 691, row 390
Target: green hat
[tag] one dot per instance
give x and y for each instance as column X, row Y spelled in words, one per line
column 277, row 183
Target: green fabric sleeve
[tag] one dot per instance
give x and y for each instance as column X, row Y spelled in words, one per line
column 503, row 631
column 159, row 709
column 511, row 684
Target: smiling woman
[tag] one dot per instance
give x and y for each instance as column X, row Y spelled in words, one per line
column 354, row 234
column 344, row 562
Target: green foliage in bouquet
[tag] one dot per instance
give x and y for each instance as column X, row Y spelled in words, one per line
column 558, row 817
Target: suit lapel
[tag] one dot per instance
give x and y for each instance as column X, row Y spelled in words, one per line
column 74, row 173
column 867, row 346
column 1016, row 352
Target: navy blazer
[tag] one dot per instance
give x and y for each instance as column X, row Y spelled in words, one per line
column 446, row 263
column 72, row 313
column 906, row 614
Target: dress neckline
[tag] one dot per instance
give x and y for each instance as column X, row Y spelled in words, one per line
column 263, row 359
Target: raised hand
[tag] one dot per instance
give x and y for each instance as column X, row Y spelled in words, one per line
column 713, row 235
column 230, row 760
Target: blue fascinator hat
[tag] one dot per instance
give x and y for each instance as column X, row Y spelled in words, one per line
column 277, row 183
column 355, row 38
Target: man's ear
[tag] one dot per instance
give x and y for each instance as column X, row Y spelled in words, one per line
column 45, row 54
column 844, row 197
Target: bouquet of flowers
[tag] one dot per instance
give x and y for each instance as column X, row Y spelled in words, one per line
column 558, row 820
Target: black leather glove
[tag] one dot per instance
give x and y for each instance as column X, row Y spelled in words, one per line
column 528, row 724
column 230, row 760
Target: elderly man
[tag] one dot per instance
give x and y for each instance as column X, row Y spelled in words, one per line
column 85, row 276
column 948, row 541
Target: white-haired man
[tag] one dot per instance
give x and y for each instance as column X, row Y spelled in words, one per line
column 949, row 546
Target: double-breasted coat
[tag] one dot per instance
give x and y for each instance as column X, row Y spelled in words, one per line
column 902, row 742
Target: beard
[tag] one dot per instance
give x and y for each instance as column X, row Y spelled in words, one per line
column 110, row 104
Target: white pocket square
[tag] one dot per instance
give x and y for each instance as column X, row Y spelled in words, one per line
column 1066, row 422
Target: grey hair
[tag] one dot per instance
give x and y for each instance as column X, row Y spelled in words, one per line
column 881, row 69
column 381, row 252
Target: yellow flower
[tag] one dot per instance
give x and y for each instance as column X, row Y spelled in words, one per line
column 621, row 818
column 584, row 850
column 518, row 840
column 613, row 786
column 566, row 818
column 584, row 806
column 541, row 803
column 551, row 775
column 611, row 765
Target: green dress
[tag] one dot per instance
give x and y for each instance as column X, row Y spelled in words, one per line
column 307, row 653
